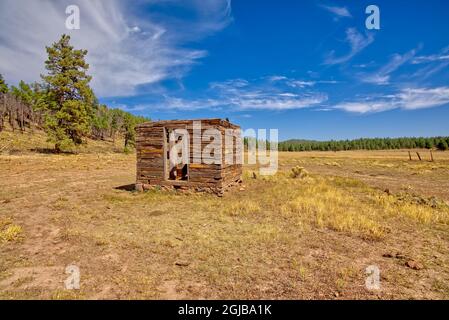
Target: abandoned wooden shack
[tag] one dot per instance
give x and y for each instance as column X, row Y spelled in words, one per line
column 202, row 155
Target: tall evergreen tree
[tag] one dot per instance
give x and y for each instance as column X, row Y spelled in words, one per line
column 3, row 91
column 101, row 122
column 442, row 145
column 23, row 92
column 70, row 97
column 3, row 85
column 129, row 124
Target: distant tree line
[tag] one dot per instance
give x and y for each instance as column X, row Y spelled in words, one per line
column 63, row 104
column 440, row 143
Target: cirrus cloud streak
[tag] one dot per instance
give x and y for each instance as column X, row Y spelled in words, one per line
column 406, row 99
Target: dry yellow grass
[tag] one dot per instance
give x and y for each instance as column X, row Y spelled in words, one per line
column 35, row 140
column 382, row 169
column 9, row 231
column 241, row 208
column 278, row 238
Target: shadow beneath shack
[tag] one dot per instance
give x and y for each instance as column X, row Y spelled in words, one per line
column 128, row 187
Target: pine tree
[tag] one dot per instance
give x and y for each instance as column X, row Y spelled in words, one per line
column 70, row 97
column 101, row 122
column 23, row 93
column 3, row 91
column 129, row 123
column 442, row 145
column 3, row 85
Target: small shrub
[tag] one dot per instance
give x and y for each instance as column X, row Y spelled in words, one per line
column 11, row 233
column 299, row 172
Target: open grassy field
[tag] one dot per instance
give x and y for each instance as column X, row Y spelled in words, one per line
column 274, row 237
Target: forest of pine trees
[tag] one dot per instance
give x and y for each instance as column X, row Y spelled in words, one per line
column 63, row 104
column 440, row 143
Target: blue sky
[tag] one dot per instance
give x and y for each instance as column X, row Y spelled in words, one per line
column 308, row 68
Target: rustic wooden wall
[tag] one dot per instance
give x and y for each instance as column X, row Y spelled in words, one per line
column 208, row 177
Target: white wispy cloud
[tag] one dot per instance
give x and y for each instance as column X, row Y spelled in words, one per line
column 230, row 85
column 431, row 58
column 365, row 106
column 420, row 98
column 357, row 42
column 298, row 83
column 126, row 50
column 294, row 83
column 281, row 101
column 442, row 56
column 242, row 94
column 432, row 64
column 430, row 70
column 382, row 76
column 338, row 12
column 277, row 78
column 301, row 83
column 241, row 102
column 276, row 92
column 406, row 99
